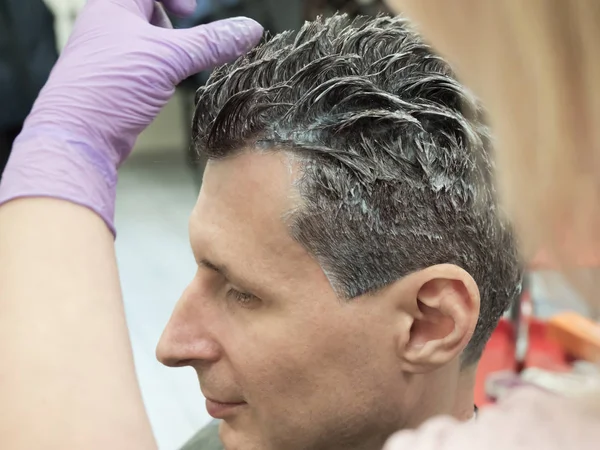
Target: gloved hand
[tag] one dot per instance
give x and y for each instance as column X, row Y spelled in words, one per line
column 116, row 72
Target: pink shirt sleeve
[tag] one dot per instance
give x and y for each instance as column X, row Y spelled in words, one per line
column 527, row 420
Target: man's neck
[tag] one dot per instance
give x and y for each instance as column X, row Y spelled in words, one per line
column 447, row 392
column 464, row 407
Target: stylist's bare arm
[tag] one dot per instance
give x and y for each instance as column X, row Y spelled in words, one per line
column 67, row 379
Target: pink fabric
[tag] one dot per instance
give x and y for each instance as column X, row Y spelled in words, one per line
column 527, row 420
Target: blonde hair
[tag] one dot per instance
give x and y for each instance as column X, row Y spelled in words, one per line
column 536, row 66
column 549, row 161
column 545, row 106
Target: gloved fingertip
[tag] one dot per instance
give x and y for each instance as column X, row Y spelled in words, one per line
column 245, row 20
column 211, row 45
column 248, row 29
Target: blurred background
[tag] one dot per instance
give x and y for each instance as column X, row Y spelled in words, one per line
column 158, row 186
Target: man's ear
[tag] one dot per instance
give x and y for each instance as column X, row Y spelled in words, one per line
column 443, row 305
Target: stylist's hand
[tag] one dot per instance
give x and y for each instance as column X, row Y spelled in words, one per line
column 118, row 69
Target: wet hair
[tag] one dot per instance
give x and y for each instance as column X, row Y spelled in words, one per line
column 396, row 164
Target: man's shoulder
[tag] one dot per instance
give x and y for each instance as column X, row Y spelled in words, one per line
column 205, row 439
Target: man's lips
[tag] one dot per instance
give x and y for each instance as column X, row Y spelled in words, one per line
column 220, row 410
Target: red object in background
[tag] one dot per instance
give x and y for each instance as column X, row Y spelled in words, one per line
column 544, row 352
column 499, row 354
column 524, row 342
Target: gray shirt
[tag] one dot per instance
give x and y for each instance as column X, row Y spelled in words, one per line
column 208, row 437
column 205, row 439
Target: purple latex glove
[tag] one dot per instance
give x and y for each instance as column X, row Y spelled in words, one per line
column 118, row 69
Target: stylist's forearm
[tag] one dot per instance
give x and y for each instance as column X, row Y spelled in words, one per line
column 67, row 379
column 63, row 338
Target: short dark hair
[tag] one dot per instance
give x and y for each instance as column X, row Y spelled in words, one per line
column 396, row 159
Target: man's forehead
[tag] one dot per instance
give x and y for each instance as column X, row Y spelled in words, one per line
column 242, row 208
column 256, row 185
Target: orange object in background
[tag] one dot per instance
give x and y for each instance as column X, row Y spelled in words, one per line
column 578, row 335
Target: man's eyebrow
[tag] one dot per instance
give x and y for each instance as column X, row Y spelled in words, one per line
column 225, row 272
column 214, row 267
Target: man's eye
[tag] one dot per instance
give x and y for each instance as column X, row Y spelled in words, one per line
column 241, row 297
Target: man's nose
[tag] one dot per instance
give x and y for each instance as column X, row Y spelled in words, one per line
column 187, row 339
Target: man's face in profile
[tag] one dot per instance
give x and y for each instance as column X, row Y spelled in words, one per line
column 280, row 358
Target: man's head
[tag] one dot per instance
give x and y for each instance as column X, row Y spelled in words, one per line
column 351, row 258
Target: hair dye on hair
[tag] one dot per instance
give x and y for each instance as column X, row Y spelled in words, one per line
column 395, row 157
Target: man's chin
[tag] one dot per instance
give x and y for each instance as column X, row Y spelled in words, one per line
column 233, row 438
